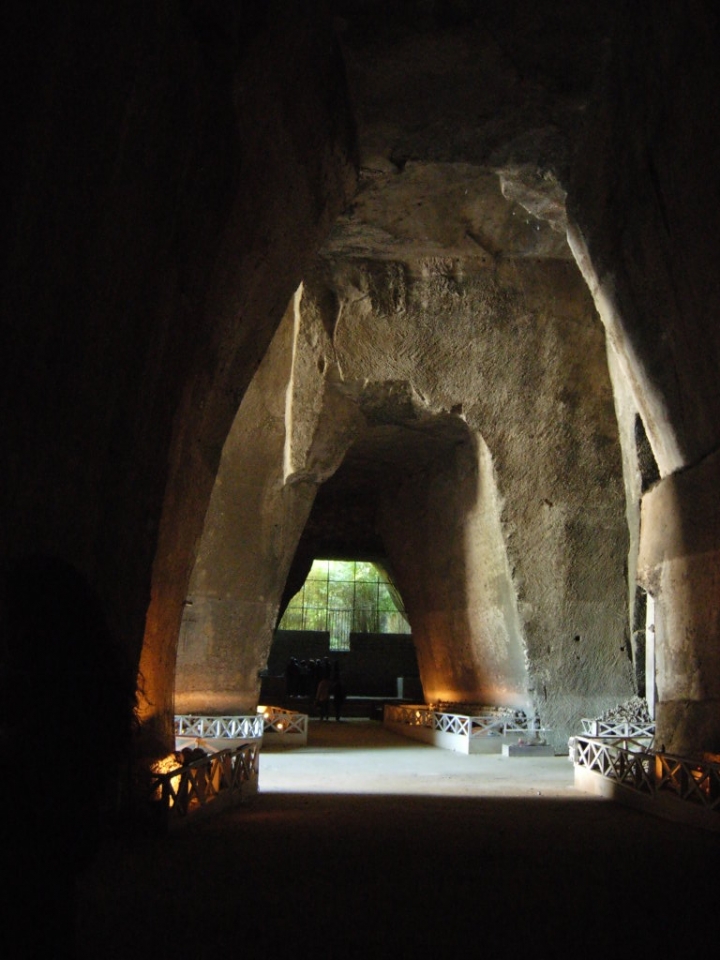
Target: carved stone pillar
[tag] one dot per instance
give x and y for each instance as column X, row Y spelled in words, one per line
column 679, row 564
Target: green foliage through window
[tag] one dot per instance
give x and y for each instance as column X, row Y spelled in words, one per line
column 344, row 597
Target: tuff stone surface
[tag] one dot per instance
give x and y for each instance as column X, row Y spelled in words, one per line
column 171, row 176
column 171, row 173
column 449, row 391
column 514, row 539
column 640, row 230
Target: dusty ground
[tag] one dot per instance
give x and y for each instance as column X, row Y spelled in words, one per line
column 368, row 845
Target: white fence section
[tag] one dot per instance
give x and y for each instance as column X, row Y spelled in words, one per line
column 219, row 728
column 270, row 722
column 464, row 733
column 288, row 725
column 614, row 728
column 626, row 769
column 209, row 784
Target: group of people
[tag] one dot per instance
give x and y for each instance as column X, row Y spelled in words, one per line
column 318, row 679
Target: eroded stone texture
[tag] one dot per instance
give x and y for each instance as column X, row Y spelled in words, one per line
column 446, row 293
column 638, row 466
column 515, row 548
column 441, row 527
column 251, row 530
column 641, row 230
column 170, row 172
column 293, row 171
column 636, row 204
column 679, row 563
column 449, row 389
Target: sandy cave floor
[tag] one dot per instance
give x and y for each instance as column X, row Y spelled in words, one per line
column 365, row 844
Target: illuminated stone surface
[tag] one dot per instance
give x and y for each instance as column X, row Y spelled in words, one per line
column 174, row 173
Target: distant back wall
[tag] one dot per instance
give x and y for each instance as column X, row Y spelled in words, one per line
column 370, row 668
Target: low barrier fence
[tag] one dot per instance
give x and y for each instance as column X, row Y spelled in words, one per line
column 460, row 724
column 288, row 724
column 631, row 763
column 212, row 782
column 443, row 728
column 617, row 728
column 220, row 728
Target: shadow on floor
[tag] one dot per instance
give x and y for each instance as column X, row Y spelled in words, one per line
column 337, row 876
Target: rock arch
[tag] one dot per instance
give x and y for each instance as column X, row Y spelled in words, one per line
column 172, row 171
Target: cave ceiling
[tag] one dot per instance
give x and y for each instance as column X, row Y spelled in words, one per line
column 466, row 118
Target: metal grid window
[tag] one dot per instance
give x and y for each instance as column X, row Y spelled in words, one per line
column 344, row 597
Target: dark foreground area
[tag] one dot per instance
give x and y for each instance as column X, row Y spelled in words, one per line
column 372, row 875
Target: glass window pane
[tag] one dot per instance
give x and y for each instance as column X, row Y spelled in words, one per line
column 340, row 595
column 296, row 602
column 385, row 600
column 365, row 620
column 339, row 625
column 315, row 619
column 319, row 570
column 365, row 572
column 357, row 588
column 365, row 595
column 342, row 570
column 393, row 623
column 316, row 593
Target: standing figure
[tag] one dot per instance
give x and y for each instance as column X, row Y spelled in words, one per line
column 322, row 698
column 338, row 695
column 292, row 677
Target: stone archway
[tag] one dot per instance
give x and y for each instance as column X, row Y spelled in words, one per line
column 509, row 540
column 249, row 538
column 481, row 456
column 448, row 291
column 290, row 172
column 171, row 175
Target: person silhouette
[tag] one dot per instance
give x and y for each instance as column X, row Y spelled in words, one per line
column 338, row 695
column 322, row 698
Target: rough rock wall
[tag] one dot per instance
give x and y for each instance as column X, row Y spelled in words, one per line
column 249, row 537
column 168, row 170
column 679, row 562
column 638, row 206
column 440, row 522
column 644, row 211
column 631, row 437
column 514, row 347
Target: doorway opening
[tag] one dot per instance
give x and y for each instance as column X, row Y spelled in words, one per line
column 341, row 597
column 348, row 614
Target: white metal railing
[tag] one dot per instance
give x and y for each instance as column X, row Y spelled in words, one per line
column 219, row 728
column 287, row 723
column 229, row 776
column 693, row 782
column 630, row 762
column 618, row 728
column 272, row 720
column 454, row 723
column 622, row 759
column 463, row 725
